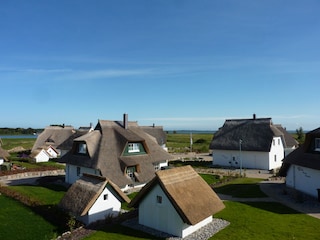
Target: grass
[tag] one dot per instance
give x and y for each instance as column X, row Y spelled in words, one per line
column 264, row 221
column 26, row 143
column 50, row 194
column 242, row 188
column 20, row 222
column 117, row 231
column 180, row 143
column 210, row 179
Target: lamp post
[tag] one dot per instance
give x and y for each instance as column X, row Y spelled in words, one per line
column 240, row 142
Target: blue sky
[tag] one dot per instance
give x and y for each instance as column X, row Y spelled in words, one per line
column 180, row 64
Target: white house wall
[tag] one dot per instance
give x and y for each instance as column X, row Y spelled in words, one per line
column 251, row 159
column 278, row 151
column 231, row 158
column 304, row 179
column 42, row 156
column 104, row 208
column 71, row 173
column 164, row 217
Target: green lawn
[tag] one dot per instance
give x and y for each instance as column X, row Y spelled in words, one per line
column 20, row 222
column 242, row 188
column 180, row 143
column 46, row 195
column 265, row 221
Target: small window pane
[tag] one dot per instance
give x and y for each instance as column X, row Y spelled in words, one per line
column 159, row 199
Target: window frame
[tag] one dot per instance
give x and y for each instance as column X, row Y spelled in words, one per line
column 317, row 144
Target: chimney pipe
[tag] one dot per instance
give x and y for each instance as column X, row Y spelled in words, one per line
column 125, row 121
column 254, row 116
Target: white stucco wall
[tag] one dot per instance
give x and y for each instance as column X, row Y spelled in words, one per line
column 231, row 158
column 71, row 173
column 103, row 208
column 52, row 153
column 42, row 156
column 304, row 179
column 251, row 159
column 164, row 217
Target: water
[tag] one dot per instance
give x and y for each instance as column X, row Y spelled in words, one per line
column 17, row 136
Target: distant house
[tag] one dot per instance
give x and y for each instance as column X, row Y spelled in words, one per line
column 253, row 143
column 58, row 137
column 93, row 198
column 302, row 167
column 120, row 151
column 44, row 154
column 177, row 201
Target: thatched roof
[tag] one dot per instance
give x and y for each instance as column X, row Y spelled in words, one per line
column 288, row 140
column 84, row 192
column 303, row 156
column 256, row 135
column 60, row 137
column 105, row 146
column 157, row 132
column 191, row 196
column 4, row 154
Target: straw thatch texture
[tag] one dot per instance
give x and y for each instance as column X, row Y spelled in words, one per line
column 4, row 154
column 304, row 156
column 60, row 137
column 106, row 145
column 256, row 134
column 84, row 192
column 191, row 196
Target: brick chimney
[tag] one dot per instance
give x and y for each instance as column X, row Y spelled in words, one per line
column 125, row 121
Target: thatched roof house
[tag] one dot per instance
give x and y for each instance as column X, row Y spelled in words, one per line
column 93, row 198
column 302, row 167
column 59, row 137
column 121, row 151
column 177, row 201
column 258, row 138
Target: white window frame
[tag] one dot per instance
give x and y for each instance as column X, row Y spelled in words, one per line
column 82, row 148
column 133, row 147
column 317, row 144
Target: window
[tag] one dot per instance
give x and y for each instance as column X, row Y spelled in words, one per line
column 275, row 158
column 317, row 144
column 159, row 199
column 105, row 197
column 273, row 142
column 279, row 141
column 78, row 171
column 133, row 147
column 82, row 148
column 156, row 166
column 130, row 172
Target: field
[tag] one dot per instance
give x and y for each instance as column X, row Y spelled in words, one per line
column 180, row 143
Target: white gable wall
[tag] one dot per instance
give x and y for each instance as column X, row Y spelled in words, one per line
column 52, row 153
column 164, row 217
column 103, row 208
column 72, row 172
column 276, row 154
column 303, row 179
column 42, row 156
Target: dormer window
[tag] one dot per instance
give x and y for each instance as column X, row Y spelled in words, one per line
column 317, row 144
column 133, row 147
column 82, row 148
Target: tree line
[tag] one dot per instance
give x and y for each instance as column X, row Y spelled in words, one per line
column 19, row 131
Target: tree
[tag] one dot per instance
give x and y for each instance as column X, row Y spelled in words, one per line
column 300, row 135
